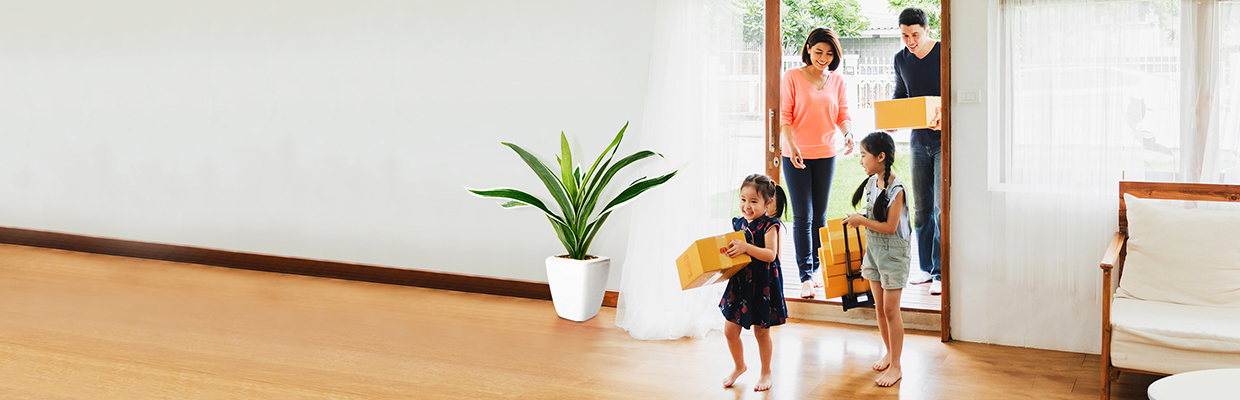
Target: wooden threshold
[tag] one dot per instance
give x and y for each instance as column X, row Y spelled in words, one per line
column 281, row 264
column 836, row 302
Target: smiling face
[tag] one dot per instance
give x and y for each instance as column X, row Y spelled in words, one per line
column 821, row 55
column 871, row 163
column 752, row 204
column 914, row 36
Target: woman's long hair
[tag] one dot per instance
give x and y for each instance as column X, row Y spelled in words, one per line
column 875, row 143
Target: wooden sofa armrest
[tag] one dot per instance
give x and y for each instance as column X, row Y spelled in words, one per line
column 1114, row 254
column 1114, row 257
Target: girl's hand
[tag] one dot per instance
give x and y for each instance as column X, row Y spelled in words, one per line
column 794, row 154
column 736, row 248
column 853, row 220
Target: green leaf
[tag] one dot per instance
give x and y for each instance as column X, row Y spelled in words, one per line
column 613, row 147
column 592, row 229
column 513, row 204
column 636, row 189
column 516, row 196
column 549, row 180
column 566, row 168
column 596, row 190
column 562, row 231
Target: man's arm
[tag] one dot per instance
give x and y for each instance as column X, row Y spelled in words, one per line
column 901, row 91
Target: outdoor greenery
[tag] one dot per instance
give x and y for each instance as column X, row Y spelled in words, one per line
column 799, row 18
column 931, row 7
column 577, row 194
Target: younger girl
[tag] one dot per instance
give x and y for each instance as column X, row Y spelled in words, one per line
column 755, row 295
column 886, row 259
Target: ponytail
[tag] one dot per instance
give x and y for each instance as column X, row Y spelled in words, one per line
column 781, row 201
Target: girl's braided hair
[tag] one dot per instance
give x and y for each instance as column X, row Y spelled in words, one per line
column 875, row 143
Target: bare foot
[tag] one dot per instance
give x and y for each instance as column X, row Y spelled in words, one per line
column 764, row 383
column 890, row 377
column 882, row 363
column 817, row 284
column 807, row 289
column 727, row 382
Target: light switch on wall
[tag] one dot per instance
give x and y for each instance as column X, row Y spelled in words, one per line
column 969, row 96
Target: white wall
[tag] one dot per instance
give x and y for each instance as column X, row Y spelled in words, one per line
column 341, row 130
column 985, row 309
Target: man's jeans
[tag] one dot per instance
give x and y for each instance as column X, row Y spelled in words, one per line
column 927, row 192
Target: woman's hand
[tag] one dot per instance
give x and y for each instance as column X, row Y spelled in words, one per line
column 854, row 220
column 848, row 144
column 737, row 247
column 794, row 155
column 938, row 119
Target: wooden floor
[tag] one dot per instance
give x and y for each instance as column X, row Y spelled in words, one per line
column 85, row 326
column 914, row 298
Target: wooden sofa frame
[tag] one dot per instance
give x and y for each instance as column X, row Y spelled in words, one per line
column 1118, row 250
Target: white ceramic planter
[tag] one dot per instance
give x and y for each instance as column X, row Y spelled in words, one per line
column 577, row 286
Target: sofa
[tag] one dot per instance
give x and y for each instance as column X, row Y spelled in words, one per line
column 1171, row 281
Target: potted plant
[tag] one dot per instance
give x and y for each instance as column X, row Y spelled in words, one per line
column 577, row 279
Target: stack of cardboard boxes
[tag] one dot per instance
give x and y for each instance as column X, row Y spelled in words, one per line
column 834, row 258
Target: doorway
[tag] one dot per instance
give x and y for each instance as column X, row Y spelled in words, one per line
column 870, row 37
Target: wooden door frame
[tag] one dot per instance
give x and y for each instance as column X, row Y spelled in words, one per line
column 945, row 81
column 774, row 64
column 774, row 60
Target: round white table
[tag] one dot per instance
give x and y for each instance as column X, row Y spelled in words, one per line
column 1198, row 385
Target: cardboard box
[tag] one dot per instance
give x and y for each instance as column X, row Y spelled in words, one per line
column 832, row 237
column 833, row 261
column 835, row 281
column 911, row 113
column 705, row 261
column 837, row 286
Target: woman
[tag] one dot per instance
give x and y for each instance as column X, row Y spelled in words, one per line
column 813, row 107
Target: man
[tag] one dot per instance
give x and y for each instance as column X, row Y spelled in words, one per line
column 917, row 68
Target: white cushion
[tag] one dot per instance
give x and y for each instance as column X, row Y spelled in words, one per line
column 1181, row 255
column 1172, row 338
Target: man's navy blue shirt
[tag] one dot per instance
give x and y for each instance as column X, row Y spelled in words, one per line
column 916, row 77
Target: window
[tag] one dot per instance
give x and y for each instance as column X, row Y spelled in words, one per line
column 1092, row 92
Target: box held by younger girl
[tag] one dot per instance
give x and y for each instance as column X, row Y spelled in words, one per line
column 706, row 261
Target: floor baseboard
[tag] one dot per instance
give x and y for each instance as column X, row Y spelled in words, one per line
column 281, row 264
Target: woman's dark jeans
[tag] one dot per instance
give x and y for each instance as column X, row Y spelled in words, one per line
column 808, row 190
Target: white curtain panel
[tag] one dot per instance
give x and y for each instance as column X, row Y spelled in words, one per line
column 1221, row 161
column 1092, row 92
column 694, row 116
column 1088, row 96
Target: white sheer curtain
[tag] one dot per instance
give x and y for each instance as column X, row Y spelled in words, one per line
column 1221, row 158
column 1092, row 93
column 695, row 114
